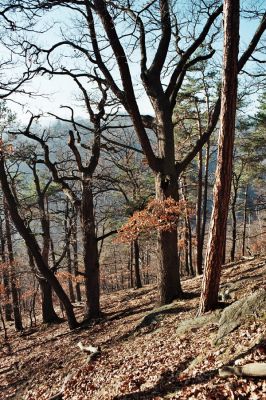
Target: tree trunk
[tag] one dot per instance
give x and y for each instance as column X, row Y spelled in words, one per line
column 190, row 253
column 90, row 248
column 3, row 323
column 138, row 283
column 14, row 290
column 52, row 252
column 233, row 210
column 245, row 223
column 68, row 254
column 69, row 270
column 198, row 216
column 186, row 247
column 75, row 257
column 205, row 193
column 169, row 276
column 233, row 248
column 188, row 233
column 222, row 187
column 6, row 281
column 33, row 302
column 225, row 243
column 33, row 246
column 48, row 313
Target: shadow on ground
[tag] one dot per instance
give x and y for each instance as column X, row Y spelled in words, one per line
column 169, row 383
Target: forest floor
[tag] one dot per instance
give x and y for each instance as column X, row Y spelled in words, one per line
column 140, row 361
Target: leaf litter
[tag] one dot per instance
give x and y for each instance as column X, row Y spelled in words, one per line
column 152, row 362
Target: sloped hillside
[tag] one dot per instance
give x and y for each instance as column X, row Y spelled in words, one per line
column 146, row 352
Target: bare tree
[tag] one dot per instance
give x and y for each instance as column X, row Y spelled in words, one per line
column 110, row 34
column 48, row 312
column 85, row 165
column 31, row 242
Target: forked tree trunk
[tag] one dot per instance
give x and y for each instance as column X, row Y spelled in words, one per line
column 222, row 187
column 90, row 249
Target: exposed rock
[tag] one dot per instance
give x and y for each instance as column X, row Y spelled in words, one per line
column 198, row 322
column 157, row 314
column 235, row 314
column 227, row 291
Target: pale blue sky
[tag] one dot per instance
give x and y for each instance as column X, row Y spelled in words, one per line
column 62, row 90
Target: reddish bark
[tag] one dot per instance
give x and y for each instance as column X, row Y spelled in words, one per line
column 222, row 187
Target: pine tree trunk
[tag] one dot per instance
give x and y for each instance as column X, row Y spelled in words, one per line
column 188, row 229
column 222, row 187
column 205, row 193
column 186, row 247
column 190, row 253
column 90, row 248
column 198, row 216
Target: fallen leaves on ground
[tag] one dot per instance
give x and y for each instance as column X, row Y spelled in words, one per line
column 149, row 363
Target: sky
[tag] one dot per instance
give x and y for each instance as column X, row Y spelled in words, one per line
column 60, row 91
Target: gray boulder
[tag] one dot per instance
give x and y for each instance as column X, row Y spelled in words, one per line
column 235, row 314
